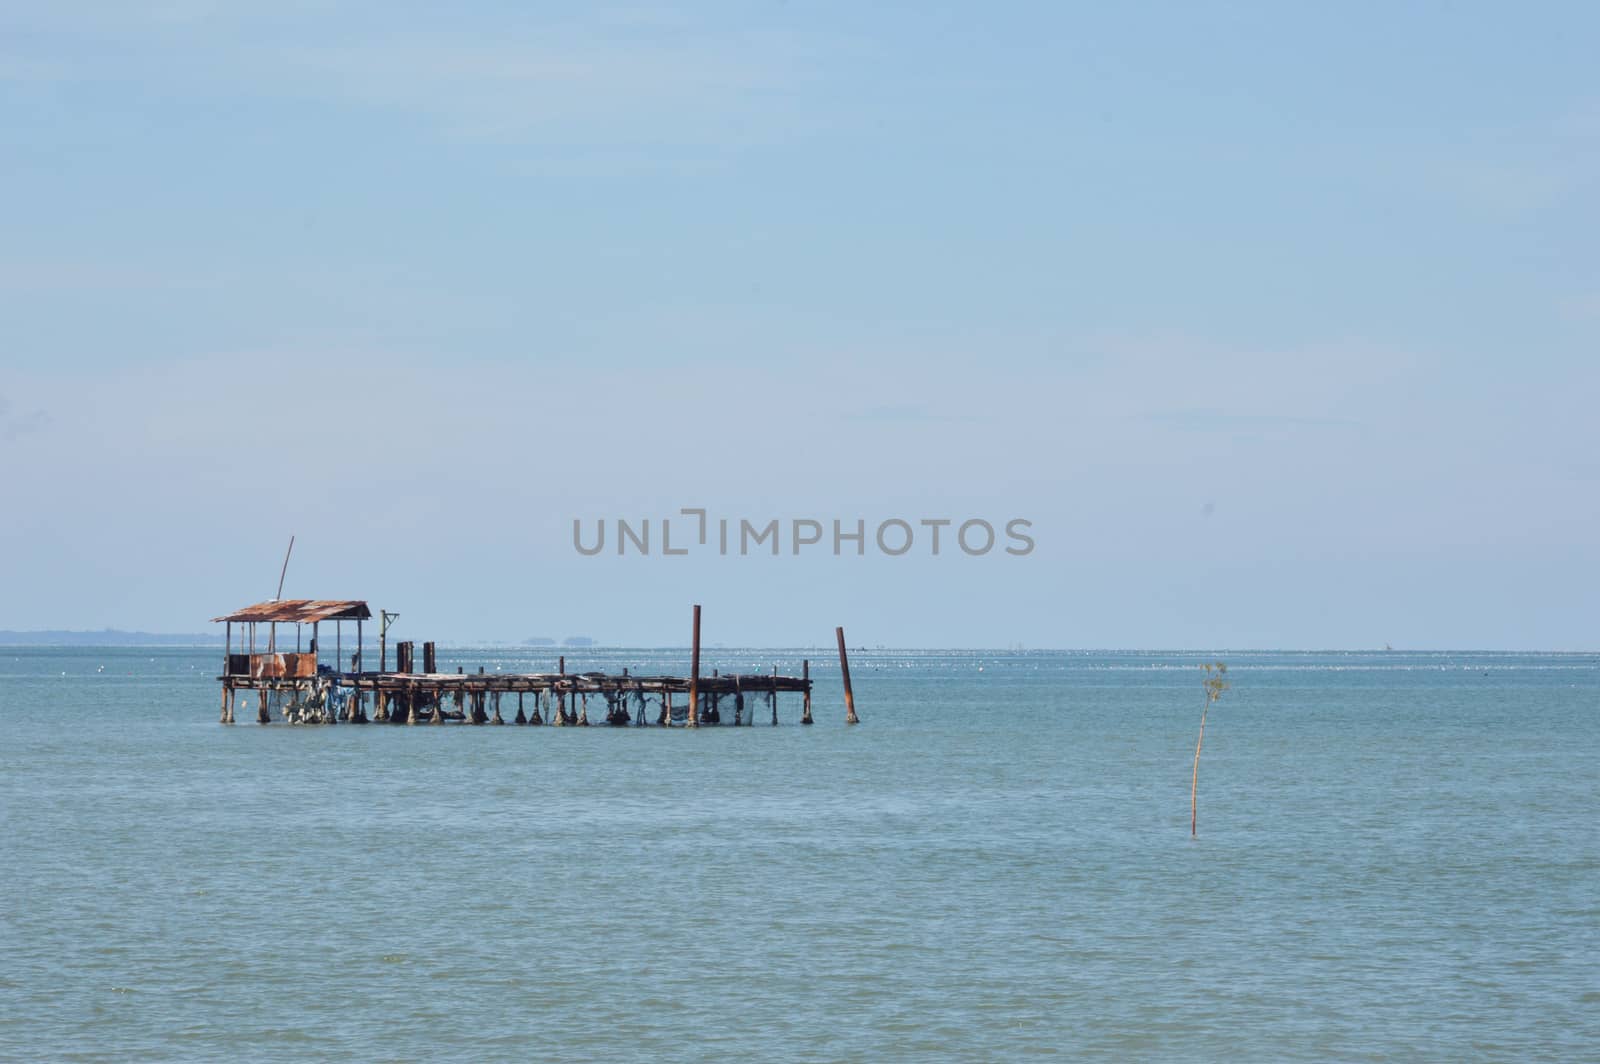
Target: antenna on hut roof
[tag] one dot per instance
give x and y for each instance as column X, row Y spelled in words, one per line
column 285, row 570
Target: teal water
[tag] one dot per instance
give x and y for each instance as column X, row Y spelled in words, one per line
column 1398, row 858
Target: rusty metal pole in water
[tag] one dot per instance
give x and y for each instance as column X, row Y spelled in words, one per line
column 849, row 696
column 694, row 673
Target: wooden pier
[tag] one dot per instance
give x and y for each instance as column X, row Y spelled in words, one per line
column 307, row 689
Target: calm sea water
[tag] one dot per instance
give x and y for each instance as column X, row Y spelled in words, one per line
column 1399, row 858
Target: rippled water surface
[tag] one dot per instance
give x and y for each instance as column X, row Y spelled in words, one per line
column 1398, row 858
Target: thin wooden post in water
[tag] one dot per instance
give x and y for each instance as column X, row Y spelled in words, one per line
column 694, row 673
column 805, row 674
column 844, row 667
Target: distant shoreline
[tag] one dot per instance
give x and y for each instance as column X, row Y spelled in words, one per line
column 106, row 637
column 116, row 637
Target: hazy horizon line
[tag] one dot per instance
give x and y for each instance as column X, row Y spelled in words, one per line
column 176, row 641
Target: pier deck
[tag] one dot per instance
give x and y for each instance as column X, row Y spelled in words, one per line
column 475, row 697
column 306, row 690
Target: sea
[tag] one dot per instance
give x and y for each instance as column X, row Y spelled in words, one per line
column 1397, row 858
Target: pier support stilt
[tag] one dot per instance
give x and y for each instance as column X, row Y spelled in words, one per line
column 476, row 702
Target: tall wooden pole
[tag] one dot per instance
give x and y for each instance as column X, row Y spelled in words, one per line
column 1194, row 781
column 849, row 696
column 694, row 673
column 805, row 674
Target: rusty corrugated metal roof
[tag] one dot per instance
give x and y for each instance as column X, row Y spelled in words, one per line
column 301, row 611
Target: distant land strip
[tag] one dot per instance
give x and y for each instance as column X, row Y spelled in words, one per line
column 116, row 637
column 108, row 637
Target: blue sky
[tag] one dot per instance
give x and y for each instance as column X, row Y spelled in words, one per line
column 1278, row 322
